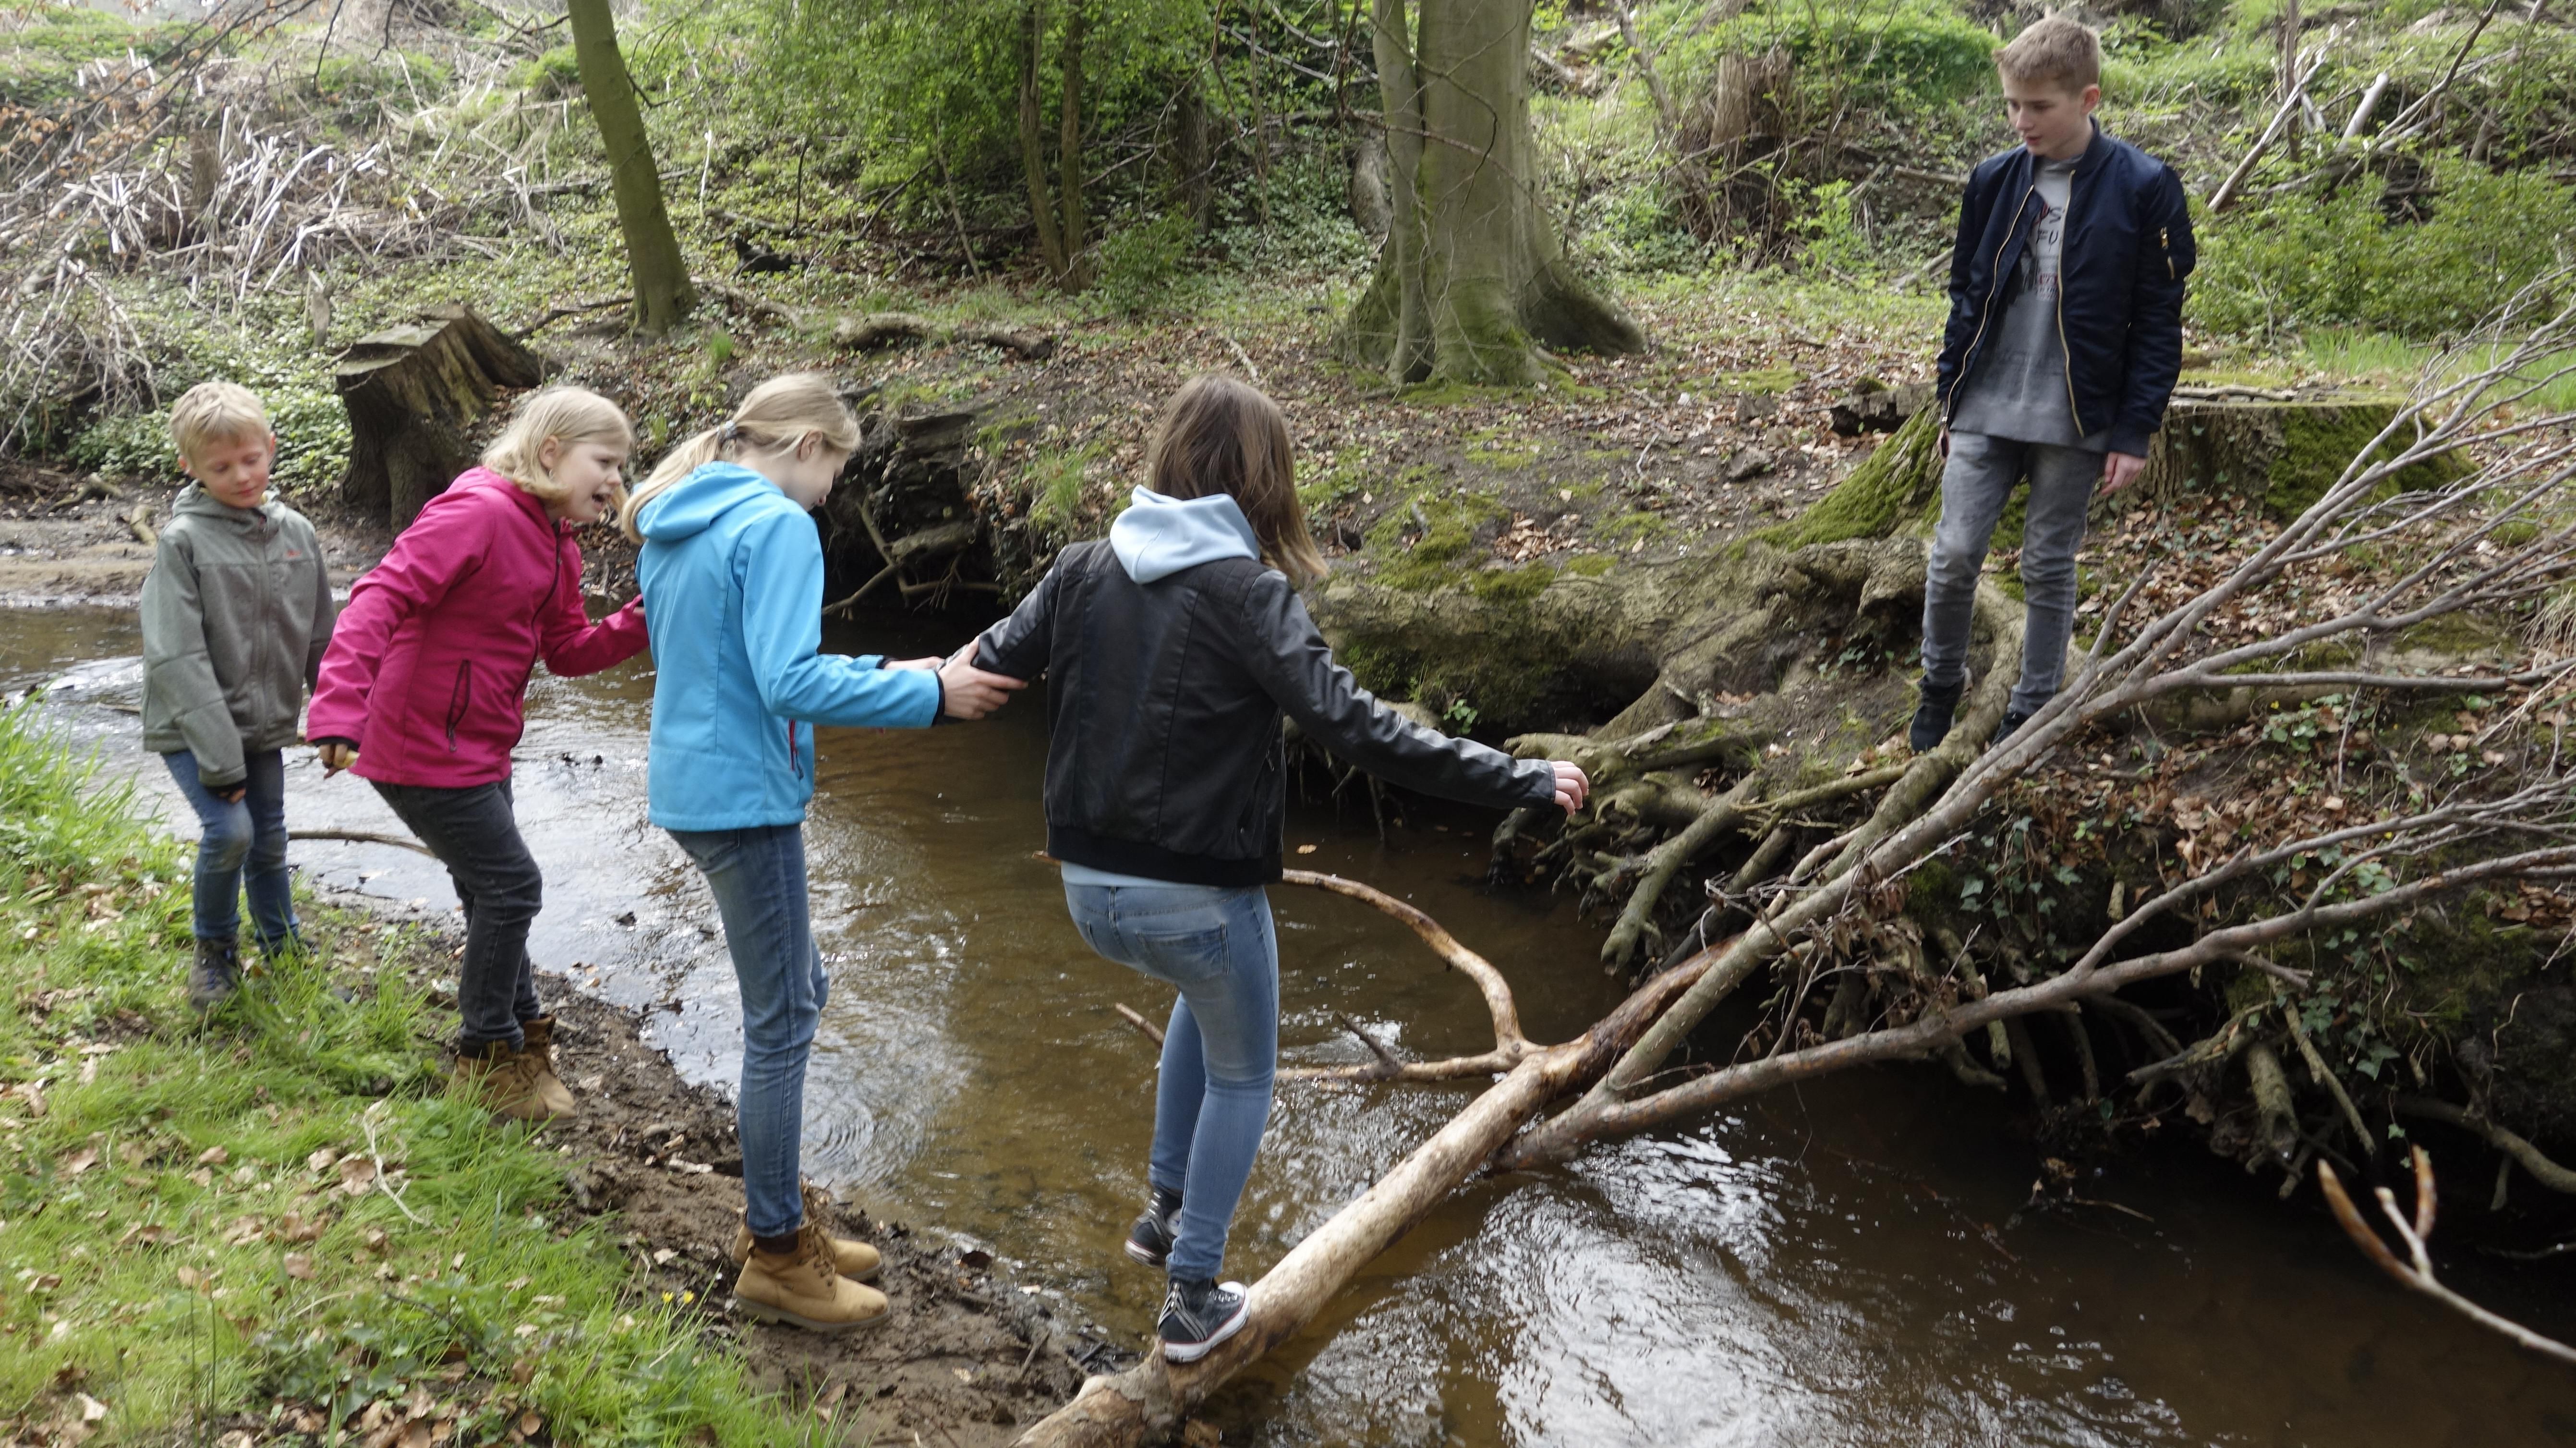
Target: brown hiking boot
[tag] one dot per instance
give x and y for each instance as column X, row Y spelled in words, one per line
column 539, row 1033
column 855, row 1260
column 805, row 1287
column 503, row 1080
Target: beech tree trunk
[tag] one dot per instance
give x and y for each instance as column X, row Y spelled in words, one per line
column 1472, row 281
column 664, row 296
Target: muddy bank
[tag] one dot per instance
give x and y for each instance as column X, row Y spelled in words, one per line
column 966, row 1353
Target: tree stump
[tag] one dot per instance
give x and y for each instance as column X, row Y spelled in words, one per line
column 2280, row 453
column 414, row 394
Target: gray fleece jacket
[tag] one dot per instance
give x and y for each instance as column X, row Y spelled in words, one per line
column 236, row 612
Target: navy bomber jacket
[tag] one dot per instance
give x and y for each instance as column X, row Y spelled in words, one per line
column 2128, row 252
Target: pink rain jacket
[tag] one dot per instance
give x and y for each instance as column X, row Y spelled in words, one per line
column 426, row 668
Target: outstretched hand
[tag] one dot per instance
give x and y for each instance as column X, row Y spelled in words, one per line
column 971, row 693
column 1572, row 787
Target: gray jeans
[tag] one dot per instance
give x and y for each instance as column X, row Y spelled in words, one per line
column 474, row 834
column 1975, row 484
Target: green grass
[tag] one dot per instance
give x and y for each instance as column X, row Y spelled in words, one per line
column 2377, row 357
column 189, row 1237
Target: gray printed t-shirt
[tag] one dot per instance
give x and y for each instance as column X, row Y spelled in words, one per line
column 2018, row 387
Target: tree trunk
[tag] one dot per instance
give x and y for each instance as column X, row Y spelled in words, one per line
column 1190, row 161
column 1472, row 282
column 1076, row 272
column 414, row 394
column 1033, row 142
column 664, row 296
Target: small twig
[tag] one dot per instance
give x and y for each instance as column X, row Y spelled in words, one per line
column 367, row 1120
column 363, row 837
column 1385, row 1057
column 2419, row 1276
column 1152, row 1032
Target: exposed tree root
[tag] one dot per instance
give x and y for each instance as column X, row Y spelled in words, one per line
column 2544, row 1171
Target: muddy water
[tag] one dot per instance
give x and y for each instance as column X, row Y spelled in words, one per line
column 1843, row 1265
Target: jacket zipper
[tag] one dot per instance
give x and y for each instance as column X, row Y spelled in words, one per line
column 458, row 698
column 2065, row 353
column 1985, row 314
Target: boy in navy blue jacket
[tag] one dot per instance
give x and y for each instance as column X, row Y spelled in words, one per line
column 2064, row 338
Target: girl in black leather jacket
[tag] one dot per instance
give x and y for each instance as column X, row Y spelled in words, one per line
column 1173, row 650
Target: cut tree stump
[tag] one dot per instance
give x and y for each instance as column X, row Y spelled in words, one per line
column 414, row 394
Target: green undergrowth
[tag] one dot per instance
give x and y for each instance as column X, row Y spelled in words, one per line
column 272, row 1219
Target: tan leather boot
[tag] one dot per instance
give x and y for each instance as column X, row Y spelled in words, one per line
column 503, row 1081
column 539, row 1034
column 855, row 1260
column 804, row 1287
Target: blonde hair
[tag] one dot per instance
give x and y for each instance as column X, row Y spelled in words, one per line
column 569, row 415
column 1218, row 435
column 779, row 414
column 211, row 411
column 2056, row 51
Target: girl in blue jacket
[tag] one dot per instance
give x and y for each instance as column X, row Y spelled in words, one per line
column 732, row 575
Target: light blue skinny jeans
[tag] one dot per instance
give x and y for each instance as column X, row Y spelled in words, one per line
column 758, row 876
column 1216, row 947
column 240, row 843
column 1975, row 484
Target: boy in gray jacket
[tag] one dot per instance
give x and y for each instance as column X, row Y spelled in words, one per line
column 235, row 616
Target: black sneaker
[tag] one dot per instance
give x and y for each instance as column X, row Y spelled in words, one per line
column 1932, row 717
column 1150, row 1240
column 2013, row 720
column 1197, row 1315
column 215, row 975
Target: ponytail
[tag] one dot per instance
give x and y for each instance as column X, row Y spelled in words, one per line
column 779, row 414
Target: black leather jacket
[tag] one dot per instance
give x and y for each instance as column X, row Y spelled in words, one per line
column 2128, row 252
column 1166, row 757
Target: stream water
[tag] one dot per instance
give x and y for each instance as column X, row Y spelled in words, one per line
column 1846, row 1264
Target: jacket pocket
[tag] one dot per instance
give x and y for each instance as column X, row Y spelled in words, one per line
column 460, row 697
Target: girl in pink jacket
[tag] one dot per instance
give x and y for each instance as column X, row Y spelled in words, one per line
column 421, row 688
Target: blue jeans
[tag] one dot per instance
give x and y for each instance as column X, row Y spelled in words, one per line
column 758, row 876
column 241, row 841
column 1975, row 484
column 1221, row 1050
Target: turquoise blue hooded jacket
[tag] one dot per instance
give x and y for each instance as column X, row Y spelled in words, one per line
column 732, row 573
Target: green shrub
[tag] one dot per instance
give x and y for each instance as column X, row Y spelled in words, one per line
column 1897, row 53
column 2302, row 260
column 1139, row 265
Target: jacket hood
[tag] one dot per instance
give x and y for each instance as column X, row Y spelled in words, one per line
column 693, row 504
column 1160, row 536
column 196, row 500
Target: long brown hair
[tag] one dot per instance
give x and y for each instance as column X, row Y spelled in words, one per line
column 1218, row 435
column 779, row 414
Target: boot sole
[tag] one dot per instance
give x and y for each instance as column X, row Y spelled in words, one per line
column 1150, row 1259
column 1190, row 1352
column 767, row 1313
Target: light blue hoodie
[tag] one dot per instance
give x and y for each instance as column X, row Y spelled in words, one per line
column 732, row 573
